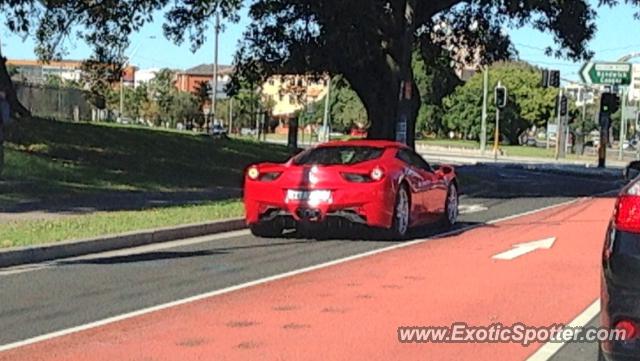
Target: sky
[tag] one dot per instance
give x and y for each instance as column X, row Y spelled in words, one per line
column 618, row 35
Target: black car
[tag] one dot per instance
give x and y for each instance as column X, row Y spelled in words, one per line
column 620, row 290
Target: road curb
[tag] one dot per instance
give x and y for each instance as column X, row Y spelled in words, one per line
column 47, row 252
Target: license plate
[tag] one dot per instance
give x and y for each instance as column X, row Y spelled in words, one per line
column 317, row 196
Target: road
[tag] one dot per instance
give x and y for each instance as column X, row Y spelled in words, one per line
column 74, row 294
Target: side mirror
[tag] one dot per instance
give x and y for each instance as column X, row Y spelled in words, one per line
column 632, row 170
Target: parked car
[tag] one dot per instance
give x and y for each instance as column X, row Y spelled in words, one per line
column 248, row 132
column 218, row 131
column 379, row 184
column 620, row 289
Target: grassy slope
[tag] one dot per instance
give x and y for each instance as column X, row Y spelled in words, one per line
column 51, row 161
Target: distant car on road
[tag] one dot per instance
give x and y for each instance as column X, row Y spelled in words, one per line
column 218, row 131
column 358, row 132
column 248, row 132
column 620, row 290
column 379, row 184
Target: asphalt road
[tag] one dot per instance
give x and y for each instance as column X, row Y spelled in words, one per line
column 40, row 299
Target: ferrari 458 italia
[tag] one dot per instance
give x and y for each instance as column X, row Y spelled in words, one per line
column 380, row 184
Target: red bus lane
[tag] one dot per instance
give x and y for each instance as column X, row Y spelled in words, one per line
column 353, row 310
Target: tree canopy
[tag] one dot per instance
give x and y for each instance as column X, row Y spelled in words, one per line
column 529, row 103
column 370, row 43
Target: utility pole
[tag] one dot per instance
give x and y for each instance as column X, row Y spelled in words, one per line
column 230, row 114
column 501, row 102
column 485, row 99
column 325, row 121
column 214, row 87
column 121, row 95
column 559, row 128
column 623, row 123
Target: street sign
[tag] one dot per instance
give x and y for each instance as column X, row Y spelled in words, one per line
column 606, row 73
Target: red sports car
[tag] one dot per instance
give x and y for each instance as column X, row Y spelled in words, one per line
column 380, row 184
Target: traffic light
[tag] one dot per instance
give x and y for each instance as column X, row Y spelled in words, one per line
column 550, row 78
column 501, row 97
column 609, row 103
column 564, row 105
column 554, row 78
column 545, row 78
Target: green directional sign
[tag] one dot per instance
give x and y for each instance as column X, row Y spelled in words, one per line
column 606, row 73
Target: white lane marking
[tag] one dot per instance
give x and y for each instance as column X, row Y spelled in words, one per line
column 471, row 208
column 144, row 311
column 548, row 350
column 521, row 249
column 124, row 252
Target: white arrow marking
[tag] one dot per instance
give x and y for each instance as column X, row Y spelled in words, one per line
column 471, row 208
column 524, row 248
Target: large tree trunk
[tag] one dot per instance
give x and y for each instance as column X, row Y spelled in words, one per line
column 389, row 91
column 17, row 109
column 382, row 109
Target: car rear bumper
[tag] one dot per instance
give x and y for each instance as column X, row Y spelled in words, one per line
column 620, row 291
column 369, row 204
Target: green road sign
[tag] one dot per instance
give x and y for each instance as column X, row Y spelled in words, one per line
column 606, row 73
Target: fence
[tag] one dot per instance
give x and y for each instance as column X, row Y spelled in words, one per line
column 54, row 102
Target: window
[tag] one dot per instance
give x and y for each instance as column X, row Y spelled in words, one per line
column 413, row 159
column 292, row 99
column 271, row 81
column 343, row 155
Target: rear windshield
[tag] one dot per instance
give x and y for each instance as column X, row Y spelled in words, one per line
column 338, row 155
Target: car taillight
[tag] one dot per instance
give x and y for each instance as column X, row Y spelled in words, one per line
column 377, row 173
column 253, row 173
column 628, row 327
column 269, row 176
column 356, row 177
column 627, row 213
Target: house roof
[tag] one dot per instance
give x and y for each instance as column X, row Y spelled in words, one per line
column 207, row 69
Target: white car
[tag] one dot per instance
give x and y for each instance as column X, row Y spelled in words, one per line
column 218, row 131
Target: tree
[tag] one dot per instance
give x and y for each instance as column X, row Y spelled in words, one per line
column 184, row 109
column 435, row 80
column 162, row 91
column 203, row 93
column 371, row 43
column 529, row 103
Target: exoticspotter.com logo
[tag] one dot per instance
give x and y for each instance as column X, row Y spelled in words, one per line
column 498, row 333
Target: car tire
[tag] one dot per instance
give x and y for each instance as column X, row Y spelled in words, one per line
column 401, row 214
column 265, row 230
column 451, row 204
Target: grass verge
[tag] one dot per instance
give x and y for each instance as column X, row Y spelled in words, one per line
column 25, row 233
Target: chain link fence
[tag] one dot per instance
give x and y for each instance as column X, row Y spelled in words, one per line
column 54, row 102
